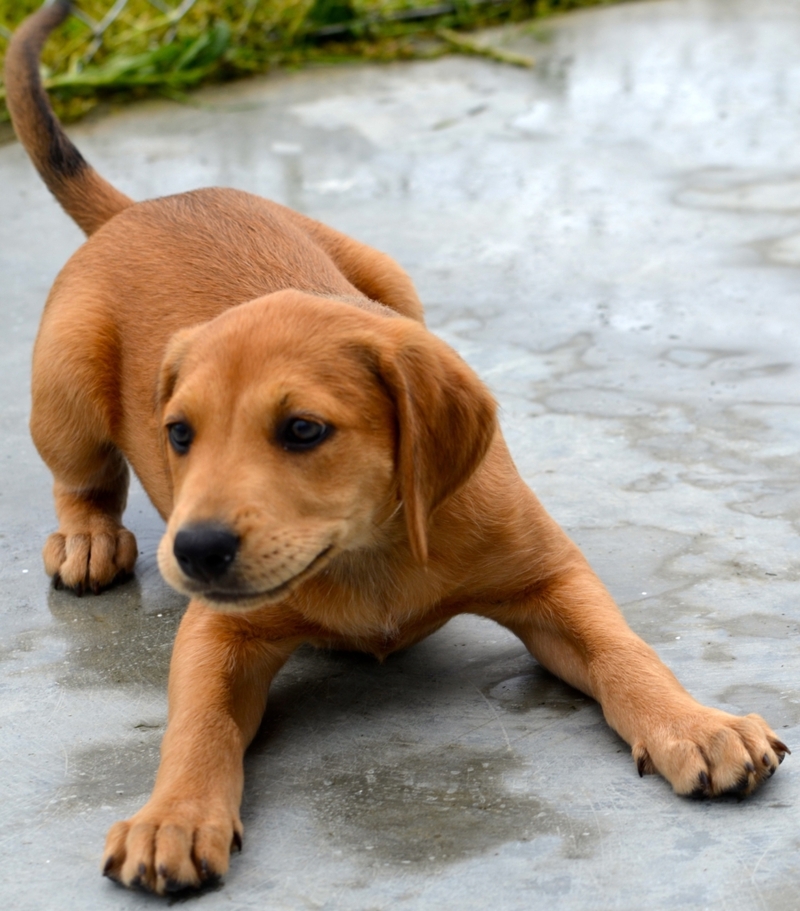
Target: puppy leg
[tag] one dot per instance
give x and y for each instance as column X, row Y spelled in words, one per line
column 572, row 626
column 91, row 548
column 72, row 417
column 221, row 670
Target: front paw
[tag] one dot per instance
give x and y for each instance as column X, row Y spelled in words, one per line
column 171, row 846
column 91, row 560
column 707, row 753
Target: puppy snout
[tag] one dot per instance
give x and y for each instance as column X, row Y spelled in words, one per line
column 205, row 552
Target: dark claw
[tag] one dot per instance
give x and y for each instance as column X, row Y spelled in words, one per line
column 741, row 785
column 208, row 877
column 138, row 881
column 765, row 760
column 108, row 865
column 772, row 770
column 57, row 583
column 173, row 885
column 749, row 767
column 644, row 764
column 704, row 787
column 237, row 838
column 780, row 748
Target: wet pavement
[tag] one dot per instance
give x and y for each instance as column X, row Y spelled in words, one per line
column 612, row 240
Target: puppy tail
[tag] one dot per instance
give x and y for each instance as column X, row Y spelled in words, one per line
column 84, row 195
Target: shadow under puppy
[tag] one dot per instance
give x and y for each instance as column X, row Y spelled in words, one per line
column 330, row 472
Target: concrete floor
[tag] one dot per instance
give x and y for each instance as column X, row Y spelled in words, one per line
column 612, row 240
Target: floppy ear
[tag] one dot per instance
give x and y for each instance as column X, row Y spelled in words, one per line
column 446, row 419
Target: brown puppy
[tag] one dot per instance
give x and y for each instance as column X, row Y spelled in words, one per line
column 330, row 472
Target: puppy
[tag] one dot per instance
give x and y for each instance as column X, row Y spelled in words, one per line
column 329, row 471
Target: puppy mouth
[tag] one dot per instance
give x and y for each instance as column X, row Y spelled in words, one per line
column 218, row 596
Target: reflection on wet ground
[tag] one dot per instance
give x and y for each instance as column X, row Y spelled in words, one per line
column 611, row 240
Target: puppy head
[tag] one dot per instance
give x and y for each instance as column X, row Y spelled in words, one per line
column 293, row 427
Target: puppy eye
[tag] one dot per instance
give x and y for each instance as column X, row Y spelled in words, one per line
column 180, row 437
column 298, row 434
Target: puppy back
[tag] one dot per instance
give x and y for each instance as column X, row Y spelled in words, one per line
column 83, row 194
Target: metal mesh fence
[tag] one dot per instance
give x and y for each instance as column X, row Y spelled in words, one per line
column 99, row 29
column 276, row 19
column 124, row 47
column 108, row 46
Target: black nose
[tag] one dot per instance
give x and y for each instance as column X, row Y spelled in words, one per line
column 204, row 552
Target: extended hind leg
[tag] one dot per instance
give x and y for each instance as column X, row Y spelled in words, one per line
column 91, row 549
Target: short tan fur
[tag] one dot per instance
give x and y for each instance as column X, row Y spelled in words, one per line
column 330, row 472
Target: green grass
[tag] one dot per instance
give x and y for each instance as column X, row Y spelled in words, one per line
column 149, row 52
